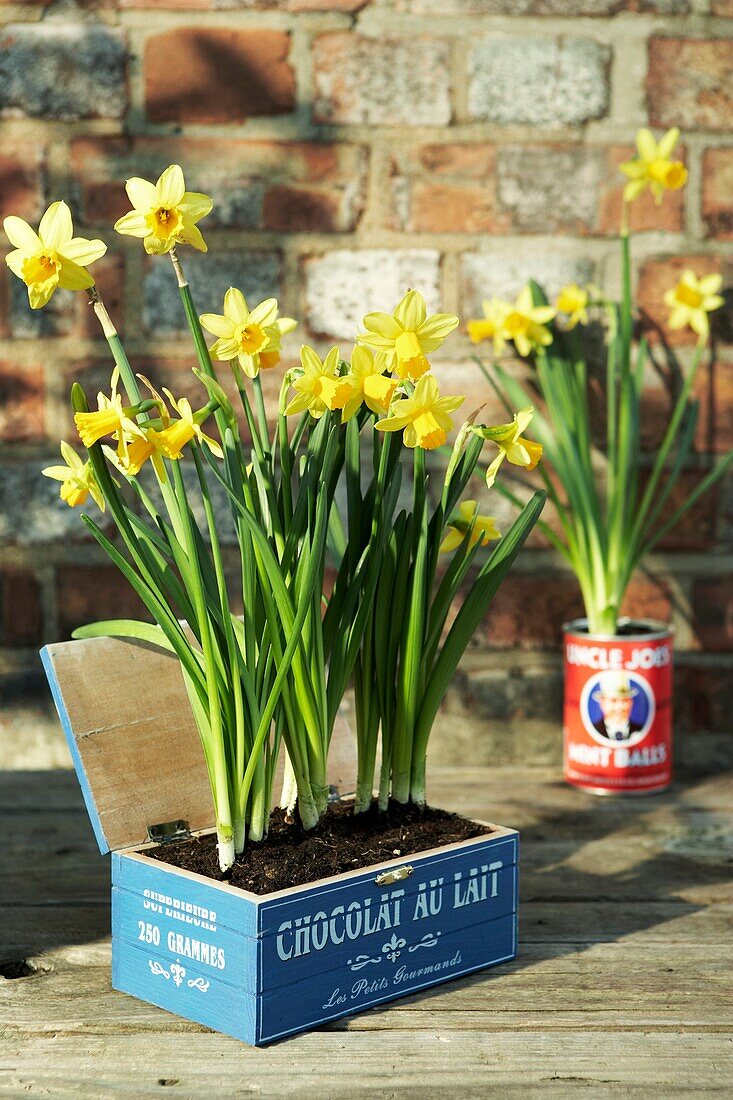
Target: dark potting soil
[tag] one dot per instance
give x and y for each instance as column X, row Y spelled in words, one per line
column 343, row 841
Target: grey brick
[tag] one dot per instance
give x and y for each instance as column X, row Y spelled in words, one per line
column 62, row 70
column 256, row 274
column 538, row 81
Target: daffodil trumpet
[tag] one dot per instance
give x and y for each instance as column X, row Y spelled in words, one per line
column 613, row 504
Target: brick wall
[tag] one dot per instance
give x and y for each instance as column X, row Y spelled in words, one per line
column 355, row 148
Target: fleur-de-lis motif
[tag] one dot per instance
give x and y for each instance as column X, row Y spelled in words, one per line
column 392, row 948
column 178, row 972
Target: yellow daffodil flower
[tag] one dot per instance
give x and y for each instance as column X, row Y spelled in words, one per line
column 111, row 416
column 512, row 445
column 408, row 335
column 424, row 416
column 319, row 387
column 484, row 528
column 369, row 384
column 76, row 477
column 250, row 336
column 653, row 167
column 52, row 257
column 525, row 323
column 174, row 438
column 150, row 444
column 164, row 214
column 491, row 325
column 573, row 301
column 692, row 300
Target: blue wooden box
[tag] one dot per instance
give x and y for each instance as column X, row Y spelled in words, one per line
column 259, row 967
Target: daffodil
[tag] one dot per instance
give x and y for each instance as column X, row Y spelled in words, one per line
column 573, row 301
column 110, row 417
column 512, row 445
column 369, row 384
column 319, row 387
column 250, row 336
column 653, row 167
column 491, row 325
column 164, row 214
column 76, row 477
column 52, row 257
column 424, row 416
column 484, row 528
column 408, row 335
column 171, row 440
column 692, row 300
column 526, row 323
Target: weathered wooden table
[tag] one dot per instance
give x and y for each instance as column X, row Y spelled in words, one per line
column 624, row 983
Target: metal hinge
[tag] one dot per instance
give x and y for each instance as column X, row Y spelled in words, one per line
column 168, row 831
column 397, row 875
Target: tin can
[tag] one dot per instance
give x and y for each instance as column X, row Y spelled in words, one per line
column 617, row 723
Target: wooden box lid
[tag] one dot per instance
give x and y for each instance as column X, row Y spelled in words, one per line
column 137, row 753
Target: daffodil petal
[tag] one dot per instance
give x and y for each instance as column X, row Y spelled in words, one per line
column 667, row 143
column 170, row 187
column 15, row 261
column 438, row 327
column 132, row 224
column 56, row 227
column 298, row 404
column 452, row 540
column 264, row 314
column 73, row 277
column 646, row 144
column 21, row 236
column 142, row 194
column 82, row 251
column 710, row 284
column 494, row 468
column 217, row 325
column 383, row 324
column 191, row 234
column 195, row 206
column 411, row 312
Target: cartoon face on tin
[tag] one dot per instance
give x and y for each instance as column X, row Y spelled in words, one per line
column 617, row 707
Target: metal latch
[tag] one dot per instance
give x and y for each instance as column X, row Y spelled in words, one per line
column 397, row 874
column 168, row 831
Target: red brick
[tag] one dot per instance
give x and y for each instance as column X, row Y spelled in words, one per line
column 464, row 161
column 712, row 613
column 21, row 184
column 21, row 403
column 217, row 76
column 22, row 614
column 661, row 274
column 289, row 209
column 703, row 697
column 648, row 598
column 697, row 529
column 644, row 213
column 690, row 82
column 717, row 193
column 453, row 208
column 528, row 611
column 86, row 593
column 714, row 390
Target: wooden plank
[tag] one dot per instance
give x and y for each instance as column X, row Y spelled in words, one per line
column 375, row 1063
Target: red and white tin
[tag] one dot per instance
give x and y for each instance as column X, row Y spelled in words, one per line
column 618, row 708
